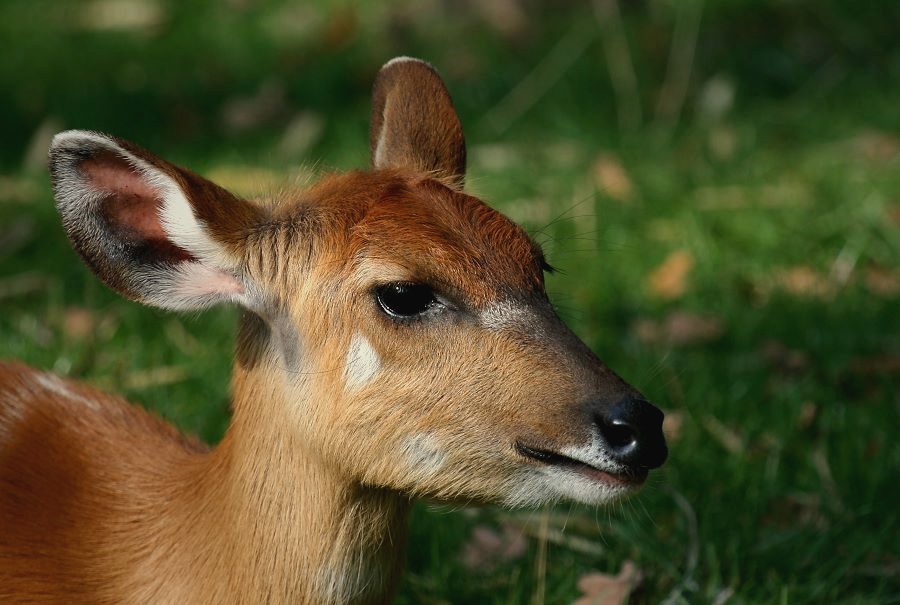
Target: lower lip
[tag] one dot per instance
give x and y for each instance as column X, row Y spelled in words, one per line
column 632, row 480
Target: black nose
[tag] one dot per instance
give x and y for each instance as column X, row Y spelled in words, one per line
column 632, row 430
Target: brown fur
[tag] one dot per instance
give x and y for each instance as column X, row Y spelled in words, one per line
column 414, row 124
column 306, row 498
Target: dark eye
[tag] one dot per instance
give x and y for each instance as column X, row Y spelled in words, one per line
column 405, row 300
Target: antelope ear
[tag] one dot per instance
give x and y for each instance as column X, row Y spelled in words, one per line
column 154, row 232
column 414, row 124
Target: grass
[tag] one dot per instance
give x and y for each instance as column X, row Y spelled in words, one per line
column 782, row 481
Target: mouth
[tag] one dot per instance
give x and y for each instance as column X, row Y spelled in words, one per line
column 631, row 477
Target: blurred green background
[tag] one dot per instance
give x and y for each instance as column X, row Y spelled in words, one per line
column 716, row 181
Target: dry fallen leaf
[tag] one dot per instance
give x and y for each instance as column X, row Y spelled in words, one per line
column 795, row 509
column 680, row 328
column 341, row 28
column 154, row 377
column 18, row 190
column 805, row 281
column 22, row 284
column 878, row 365
column 783, row 358
column 506, row 17
column 892, row 213
column 603, row 589
column 77, row 323
column 686, row 328
column 487, row 547
column 877, row 146
column 730, row 440
column 121, row 15
column 882, row 282
column 672, row 425
column 669, row 280
column 611, row 178
column 807, row 416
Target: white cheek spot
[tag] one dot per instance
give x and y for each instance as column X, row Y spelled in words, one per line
column 363, row 362
column 424, row 454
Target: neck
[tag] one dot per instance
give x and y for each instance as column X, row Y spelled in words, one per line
column 298, row 530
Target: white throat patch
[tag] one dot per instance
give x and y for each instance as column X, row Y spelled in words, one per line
column 424, row 454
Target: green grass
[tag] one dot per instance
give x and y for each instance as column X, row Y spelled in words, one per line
column 782, row 483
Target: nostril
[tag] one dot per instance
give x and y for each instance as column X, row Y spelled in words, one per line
column 632, row 432
column 617, row 434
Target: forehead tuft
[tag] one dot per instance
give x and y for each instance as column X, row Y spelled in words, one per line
column 449, row 238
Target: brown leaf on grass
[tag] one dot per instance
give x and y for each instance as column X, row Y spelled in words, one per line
column 78, row 323
column 611, row 178
column 153, row 377
column 783, row 358
column 793, row 510
column 781, row 194
column 121, row 15
column 23, row 284
column 807, row 416
column 805, row 281
column 892, row 212
column 680, row 328
column 506, row 17
column 877, row 146
column 683, row 328
column 341, row 28
column 669, row 280
column 487, row 547
column 672, row 425
column 882, row 282
column 604, row 589
column 878, row 365
column 18, row 190
column 729, row 439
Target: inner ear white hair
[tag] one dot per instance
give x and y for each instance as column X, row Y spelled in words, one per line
column 153, row 231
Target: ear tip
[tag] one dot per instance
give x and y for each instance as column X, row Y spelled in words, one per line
column 67, row 137
column 403, row 59
column 76, row 142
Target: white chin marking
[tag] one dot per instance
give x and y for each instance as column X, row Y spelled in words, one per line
column 545, row 484
column 363, row 363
